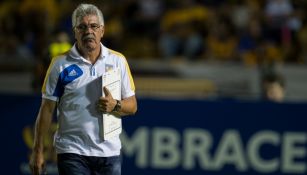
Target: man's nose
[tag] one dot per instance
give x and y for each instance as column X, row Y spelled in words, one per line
column 89, row 30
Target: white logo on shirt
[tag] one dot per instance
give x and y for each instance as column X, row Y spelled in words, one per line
column 72, row 73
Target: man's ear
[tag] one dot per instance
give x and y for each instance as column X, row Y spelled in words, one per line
column 74, row 32
column 102, row 31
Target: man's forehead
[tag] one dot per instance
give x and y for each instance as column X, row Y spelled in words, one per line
column 89, row 19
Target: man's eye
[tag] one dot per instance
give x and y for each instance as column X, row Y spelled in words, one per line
column 94, row 26
column 82, row 27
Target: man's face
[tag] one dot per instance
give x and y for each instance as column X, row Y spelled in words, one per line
column 88, row 33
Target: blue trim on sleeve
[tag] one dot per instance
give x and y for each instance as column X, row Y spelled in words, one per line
column 68, row 75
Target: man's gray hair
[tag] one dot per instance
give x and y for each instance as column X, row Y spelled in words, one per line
column 84, row 10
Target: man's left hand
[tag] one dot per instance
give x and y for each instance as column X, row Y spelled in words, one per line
column 106, row 104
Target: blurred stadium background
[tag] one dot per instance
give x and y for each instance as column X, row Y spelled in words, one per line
column 200, row 41
column 200, row 50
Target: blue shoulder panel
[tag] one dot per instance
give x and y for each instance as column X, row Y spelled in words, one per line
column 68, row 75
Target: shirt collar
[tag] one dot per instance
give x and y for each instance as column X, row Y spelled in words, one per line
column 105, row 51
column 76, row 55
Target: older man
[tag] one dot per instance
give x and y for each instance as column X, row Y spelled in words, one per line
column 73, row 85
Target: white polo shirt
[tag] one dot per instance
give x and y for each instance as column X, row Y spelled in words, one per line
column 76, row 85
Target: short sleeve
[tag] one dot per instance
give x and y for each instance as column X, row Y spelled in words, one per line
column 128, row 88
column 50, row 81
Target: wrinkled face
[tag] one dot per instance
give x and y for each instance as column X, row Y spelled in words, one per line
column 88, row 33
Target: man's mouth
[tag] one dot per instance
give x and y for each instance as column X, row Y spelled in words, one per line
column 88, row 38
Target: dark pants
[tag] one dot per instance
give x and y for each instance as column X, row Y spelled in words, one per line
column 74, row 164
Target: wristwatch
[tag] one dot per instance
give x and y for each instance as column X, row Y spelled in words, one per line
column 117, row 107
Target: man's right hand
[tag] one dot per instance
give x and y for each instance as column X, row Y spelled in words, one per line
column 37, row 163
